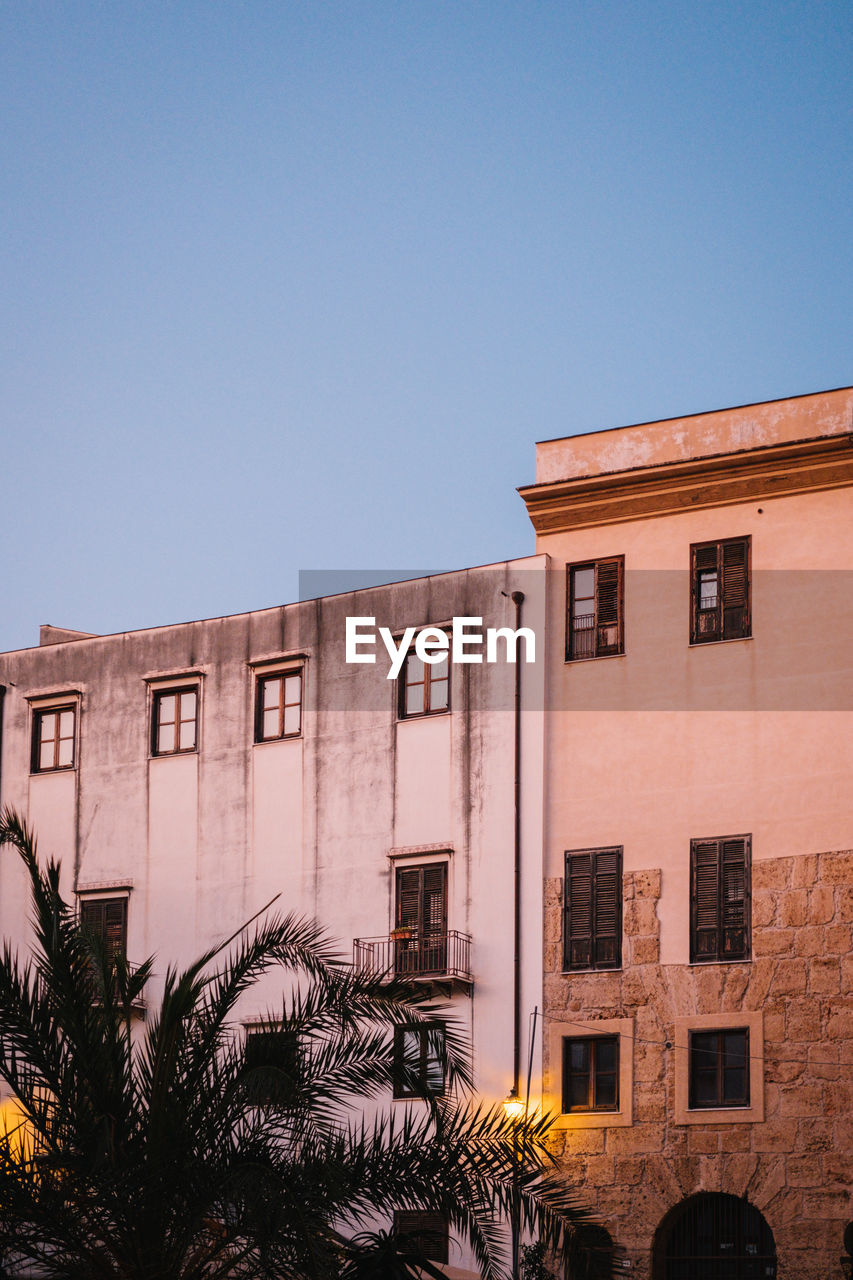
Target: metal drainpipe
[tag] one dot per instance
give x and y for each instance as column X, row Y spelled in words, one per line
column 517, row 599
column 2, row 696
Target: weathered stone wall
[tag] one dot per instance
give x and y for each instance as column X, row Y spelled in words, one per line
column 796, row 1166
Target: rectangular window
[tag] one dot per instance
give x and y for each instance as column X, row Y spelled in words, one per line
column 273, row 1056
column 720, row 592
column 428, row 1231
column 719, row 1068
column 278, row 706
column 418, row 1061
column 594, row 627
column 174, row 726
column 592, row 914
column 424, row 687
column 107, row 919
column 53, row 739
column 591, row 1073
column 720, row 899
column 420, row 934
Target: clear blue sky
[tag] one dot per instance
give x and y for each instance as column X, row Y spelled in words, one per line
column 298, row 285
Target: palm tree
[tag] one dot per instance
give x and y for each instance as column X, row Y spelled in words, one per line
column 181, row 1154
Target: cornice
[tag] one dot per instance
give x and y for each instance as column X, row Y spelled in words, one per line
column 771, row 471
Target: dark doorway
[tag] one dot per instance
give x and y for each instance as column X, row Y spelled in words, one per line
column 712, row 1236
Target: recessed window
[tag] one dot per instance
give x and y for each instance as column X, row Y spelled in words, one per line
column 594, row 627
column 592, row 914
column 719, row 1068
column 424, row 687
column 429, row 1232
column 174, row 721
column 278, row 706
column 591, row 1073
column 720, row 591
column 106, row 918
column 272, row 1056
column 420, row 933
column 418, row 1061
column 53, row 738
column 720, row 899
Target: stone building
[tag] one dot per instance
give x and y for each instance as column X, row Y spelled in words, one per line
column 698, row 892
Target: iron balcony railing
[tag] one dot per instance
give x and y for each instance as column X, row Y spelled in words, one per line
column 406, row 953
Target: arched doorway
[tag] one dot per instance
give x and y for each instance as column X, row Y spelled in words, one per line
column 712, row 1236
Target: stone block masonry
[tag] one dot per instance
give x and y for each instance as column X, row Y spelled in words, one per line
column 795, row 1164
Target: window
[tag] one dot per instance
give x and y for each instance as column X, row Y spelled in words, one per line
column 592, row 916
column 174, row 721
column 594, row 626
column 106, row 918
column 424, row 686
column 278, row 706
column 720, row 591
column 428, row 1232
column 418, row 1061
column 719, row 1068
column 720, row 899
column 420, row 935
column 591, row 1073
column 272, row 1055
column 53, row 738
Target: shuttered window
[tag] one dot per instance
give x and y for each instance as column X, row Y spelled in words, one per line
column 428, row 1232
column 421, row 920
column 592, row 917
column 720, row 899
column 720, row 580
column 594, row 626
column 107, row 919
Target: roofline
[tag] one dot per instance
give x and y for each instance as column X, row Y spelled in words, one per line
column 703, row 413
column 290, row 604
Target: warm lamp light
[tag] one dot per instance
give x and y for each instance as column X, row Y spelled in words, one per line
column 514, row 1108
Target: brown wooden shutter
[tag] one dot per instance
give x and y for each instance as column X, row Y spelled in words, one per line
column 577, row 934
column 408, row 897
column 608, row 575
column 735, row 589
column 704, row 898
column 592, row 929
column 734, row 898
column 107, row 918
column 720, row 899
column 607, row 913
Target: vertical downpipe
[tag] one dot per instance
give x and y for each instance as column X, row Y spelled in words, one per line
column 2, row 696
column 517, row 599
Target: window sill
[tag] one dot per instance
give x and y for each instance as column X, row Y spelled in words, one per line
column 602, row 657
column 711, row 644
column 571, row 973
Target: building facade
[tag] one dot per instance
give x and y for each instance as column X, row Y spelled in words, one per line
column 188, row 775
column 698, row 889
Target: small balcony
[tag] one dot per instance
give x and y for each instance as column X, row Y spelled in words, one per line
column 441, row 959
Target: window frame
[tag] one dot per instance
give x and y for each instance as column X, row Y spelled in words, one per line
column 600, row 650
column 593, row 1045
column 177, row 691
column 262, row 678
column 403, row 684
column 743, row 1019
column 89, row 899
column 425, row 949
column 583, row 1028
column 426, row 1059
column 291, row 1051
column 720, row 1068
column 39, row 713
column 720, row 954
column 595, row 936
column 713, row 630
